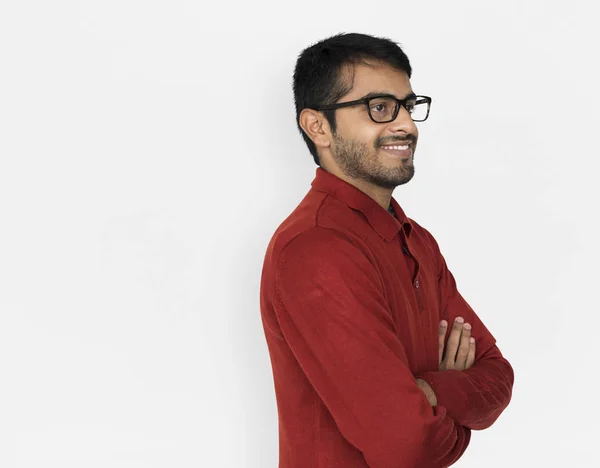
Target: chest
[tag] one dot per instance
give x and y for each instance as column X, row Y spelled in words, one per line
column 409, row 273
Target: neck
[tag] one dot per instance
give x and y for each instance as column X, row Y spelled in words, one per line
column 381, row 195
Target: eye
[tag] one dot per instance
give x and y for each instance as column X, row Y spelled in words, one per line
column 380, row 107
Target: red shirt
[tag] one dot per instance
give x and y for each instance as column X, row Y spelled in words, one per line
column 351, row 300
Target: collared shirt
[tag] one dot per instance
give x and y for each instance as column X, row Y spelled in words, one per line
column 351, row 299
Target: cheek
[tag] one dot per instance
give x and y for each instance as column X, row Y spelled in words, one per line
column 360, row 131
column 372, row 137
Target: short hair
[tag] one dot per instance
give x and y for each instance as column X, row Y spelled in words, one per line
column 318, row 72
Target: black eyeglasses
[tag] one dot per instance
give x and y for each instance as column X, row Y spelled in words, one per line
column 384, row 108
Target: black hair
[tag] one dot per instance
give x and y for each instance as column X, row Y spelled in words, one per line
column 318, row 72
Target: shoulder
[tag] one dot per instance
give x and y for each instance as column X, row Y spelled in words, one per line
column 323, row 244
column 320, row 223
column 327, row 260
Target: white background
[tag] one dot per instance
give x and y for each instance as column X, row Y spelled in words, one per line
column 148, row 152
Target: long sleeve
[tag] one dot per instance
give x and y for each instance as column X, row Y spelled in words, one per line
column 475, row 397
column 333, row 313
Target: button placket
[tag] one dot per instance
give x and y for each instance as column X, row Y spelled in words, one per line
column 415, row 273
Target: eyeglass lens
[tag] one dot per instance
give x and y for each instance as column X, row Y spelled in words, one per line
column 383, row 109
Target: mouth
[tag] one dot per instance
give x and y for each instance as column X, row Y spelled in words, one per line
column 401, row 150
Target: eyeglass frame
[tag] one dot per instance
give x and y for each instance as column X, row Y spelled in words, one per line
column 365, row 100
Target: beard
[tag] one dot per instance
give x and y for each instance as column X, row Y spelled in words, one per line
column 357, row 160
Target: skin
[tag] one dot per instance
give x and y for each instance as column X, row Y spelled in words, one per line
column 354, row 154
column 457, row 353
column 460, row 349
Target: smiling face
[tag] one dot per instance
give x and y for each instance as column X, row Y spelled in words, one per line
column 376, row 154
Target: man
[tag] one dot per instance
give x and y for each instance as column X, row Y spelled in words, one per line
column 377, row 359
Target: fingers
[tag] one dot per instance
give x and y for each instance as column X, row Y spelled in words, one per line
column 441, row 339
column 463, row 348
column 452, row 345
column 471, row 355
column 458, row 352
column 428, row 391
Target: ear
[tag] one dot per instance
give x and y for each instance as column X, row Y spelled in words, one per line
column 315, row 125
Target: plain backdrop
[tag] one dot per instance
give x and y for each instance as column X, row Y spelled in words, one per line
column 148, row 151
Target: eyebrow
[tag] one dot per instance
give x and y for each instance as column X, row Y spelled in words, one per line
column 373, row 94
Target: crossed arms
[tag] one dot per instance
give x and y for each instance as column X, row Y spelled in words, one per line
column 473, row 394
column 339, row 327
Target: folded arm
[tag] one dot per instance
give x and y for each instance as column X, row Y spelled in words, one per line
column 474, row 397
column 333, row 314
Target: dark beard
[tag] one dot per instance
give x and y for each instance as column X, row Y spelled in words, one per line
column 358, row 162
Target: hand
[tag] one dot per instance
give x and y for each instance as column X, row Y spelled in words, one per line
column 428, row 391
column 460, row 349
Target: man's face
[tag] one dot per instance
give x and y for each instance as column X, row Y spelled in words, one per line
column 361, row 147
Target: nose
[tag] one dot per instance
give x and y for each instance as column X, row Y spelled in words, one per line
column 403, row 123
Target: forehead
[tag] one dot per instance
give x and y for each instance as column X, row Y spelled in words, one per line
column 376, row 77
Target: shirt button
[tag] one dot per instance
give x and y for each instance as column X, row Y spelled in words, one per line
column 417, row 284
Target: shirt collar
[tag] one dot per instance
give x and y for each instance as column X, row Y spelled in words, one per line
column 380, row 219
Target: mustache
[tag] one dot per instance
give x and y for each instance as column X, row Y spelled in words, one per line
column 410, row 138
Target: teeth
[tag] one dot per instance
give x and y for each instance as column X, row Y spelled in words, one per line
column 396, row 147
